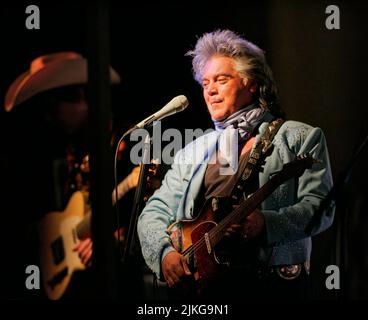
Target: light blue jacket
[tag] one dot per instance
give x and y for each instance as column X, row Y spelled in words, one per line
column 287, row 211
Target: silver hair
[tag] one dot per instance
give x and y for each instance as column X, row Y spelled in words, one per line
column 249, row 59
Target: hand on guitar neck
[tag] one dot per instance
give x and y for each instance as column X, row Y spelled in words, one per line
column 252, row 227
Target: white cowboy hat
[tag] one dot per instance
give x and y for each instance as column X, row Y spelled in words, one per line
column 48, row 72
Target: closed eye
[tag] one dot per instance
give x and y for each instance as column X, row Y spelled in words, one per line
column 222, row 79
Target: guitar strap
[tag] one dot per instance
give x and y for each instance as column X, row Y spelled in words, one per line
column 255, row 159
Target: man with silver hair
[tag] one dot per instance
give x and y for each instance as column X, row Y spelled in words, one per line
column 268, row 252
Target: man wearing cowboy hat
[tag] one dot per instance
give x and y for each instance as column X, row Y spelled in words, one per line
column 52, row 94
column 49, row 105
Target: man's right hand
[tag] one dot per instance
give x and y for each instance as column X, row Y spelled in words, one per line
column 174, row 267
column 84, row 249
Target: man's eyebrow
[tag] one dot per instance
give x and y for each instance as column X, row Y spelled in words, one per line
column 224, row 75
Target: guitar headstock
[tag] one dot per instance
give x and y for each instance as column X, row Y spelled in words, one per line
column 297, row 167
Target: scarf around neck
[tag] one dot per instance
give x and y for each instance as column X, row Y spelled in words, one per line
column 245, row 120
column 235, row 130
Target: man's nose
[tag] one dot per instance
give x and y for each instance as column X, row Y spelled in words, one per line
column 212, row 89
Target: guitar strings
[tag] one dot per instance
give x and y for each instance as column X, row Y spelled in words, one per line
column 271, row 184
column 219, row 227
column 213, row 232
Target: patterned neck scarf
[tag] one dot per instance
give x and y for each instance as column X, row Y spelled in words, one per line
column 235, row 130
column 245, row 120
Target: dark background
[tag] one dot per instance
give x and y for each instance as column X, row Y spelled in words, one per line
column 321, row 76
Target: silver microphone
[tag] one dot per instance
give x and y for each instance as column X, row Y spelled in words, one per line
column 177, row 104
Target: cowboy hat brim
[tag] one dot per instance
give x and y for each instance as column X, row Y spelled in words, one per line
column 53, row 75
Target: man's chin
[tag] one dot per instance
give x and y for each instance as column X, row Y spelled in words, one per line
column 219, row 116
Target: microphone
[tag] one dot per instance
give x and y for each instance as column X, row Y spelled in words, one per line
column 177, row 104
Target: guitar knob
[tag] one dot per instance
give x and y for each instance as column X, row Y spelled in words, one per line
column 215, row 204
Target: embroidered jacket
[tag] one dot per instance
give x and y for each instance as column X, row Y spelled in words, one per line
column 288, row 211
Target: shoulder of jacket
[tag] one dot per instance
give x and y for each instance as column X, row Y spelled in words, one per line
column 295, row 125
column 292, row 128
column 295, row 133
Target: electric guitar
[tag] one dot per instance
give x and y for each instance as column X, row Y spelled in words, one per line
column 196, row 239
column 60, row 232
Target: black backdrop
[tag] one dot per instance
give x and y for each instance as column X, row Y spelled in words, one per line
column 320, row 75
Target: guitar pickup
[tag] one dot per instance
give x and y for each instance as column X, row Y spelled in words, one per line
column 57, row 248
column 57, row 278
column 208, row 243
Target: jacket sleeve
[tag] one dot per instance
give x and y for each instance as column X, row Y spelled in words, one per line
column 158, row 214
column 298, row 220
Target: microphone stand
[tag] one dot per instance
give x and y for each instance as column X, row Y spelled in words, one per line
column 131, row 266
column 138, row 201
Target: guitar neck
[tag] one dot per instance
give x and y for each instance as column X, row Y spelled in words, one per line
column 83, row 229
column 123, row 187
column 244, row 209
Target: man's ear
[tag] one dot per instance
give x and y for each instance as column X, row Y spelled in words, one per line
column 253, row 86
